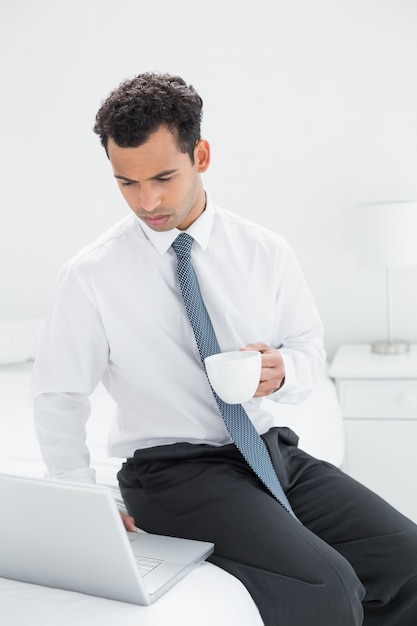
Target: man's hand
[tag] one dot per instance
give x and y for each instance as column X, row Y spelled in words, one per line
column 128, row 521
column 273, row 369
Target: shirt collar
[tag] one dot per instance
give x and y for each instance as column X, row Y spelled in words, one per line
column 199, row 230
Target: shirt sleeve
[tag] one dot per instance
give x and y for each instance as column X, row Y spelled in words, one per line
column 60, row 420
column 71, row 359
column 299, row 332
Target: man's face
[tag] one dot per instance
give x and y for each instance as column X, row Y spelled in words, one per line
column 159, row 182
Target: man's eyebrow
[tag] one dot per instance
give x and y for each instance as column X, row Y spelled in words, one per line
column 128, row 180
column 164, row 173
column 159, row 175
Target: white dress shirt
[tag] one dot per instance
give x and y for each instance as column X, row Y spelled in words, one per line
column 118, row 316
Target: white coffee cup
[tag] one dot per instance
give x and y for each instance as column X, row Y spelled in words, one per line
column 235, row 375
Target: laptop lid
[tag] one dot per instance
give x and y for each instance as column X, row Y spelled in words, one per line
column 71, row 536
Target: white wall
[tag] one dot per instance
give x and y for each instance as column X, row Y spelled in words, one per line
column 310, row 107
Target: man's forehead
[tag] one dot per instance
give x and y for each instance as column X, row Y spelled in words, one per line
column 157, row 155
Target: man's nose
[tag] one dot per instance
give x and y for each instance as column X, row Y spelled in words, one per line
column 149, row 200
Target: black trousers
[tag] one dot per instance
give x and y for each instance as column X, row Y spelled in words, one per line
column 352, row 560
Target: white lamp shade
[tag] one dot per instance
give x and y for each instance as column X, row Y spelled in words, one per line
column 385, row 233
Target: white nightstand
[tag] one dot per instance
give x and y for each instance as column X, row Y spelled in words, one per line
column 378, row 396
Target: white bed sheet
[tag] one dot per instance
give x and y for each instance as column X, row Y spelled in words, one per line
column 208, row 595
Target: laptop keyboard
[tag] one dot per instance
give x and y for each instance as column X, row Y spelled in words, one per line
column 146, row 564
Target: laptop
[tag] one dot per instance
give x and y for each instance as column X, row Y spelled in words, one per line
column 71, row 536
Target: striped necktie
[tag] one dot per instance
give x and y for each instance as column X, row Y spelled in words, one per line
column 238, row 424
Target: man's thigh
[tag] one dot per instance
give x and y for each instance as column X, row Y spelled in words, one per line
column 209, row 493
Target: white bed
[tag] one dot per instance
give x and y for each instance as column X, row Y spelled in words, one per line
column 208, row 595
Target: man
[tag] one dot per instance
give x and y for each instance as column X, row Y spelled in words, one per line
column 345, row 557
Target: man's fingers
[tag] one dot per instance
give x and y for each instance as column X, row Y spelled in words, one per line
column 273, row 368
column 128, row 521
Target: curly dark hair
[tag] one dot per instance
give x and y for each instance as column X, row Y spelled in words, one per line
column 139, row 106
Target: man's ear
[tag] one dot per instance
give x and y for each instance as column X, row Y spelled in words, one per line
column 202, row 155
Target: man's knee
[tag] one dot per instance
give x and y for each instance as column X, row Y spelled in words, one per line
column 332, row 598
column 341, row 602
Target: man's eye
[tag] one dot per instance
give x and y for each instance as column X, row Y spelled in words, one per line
column 165, row 179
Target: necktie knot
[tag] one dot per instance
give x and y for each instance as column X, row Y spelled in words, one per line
column 182, row 245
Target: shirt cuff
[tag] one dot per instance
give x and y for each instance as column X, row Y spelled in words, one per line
column 85, row 475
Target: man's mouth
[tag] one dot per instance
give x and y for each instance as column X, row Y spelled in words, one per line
column 155, row 220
